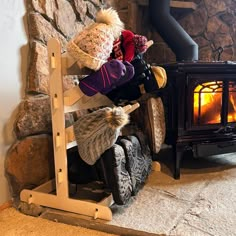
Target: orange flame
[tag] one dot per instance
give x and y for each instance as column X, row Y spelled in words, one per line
column 208, row 104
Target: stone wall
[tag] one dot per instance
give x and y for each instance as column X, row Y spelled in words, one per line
column 212, row 25
column 29, row 161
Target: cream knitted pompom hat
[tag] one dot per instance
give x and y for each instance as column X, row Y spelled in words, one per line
column 98, row 131
column 93, row 45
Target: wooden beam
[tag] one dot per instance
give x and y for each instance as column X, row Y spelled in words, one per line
column 173, row 4
column 183, row 5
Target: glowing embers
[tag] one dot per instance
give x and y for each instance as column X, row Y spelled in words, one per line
column 232, row 103
column 208, row 98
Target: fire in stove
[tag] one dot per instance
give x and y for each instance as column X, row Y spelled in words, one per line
column 208, row 103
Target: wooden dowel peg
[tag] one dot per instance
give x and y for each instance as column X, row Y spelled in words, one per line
column 60, row 176
column 53, row 61
column 55, row 102
column 127, row 107
column 30, row 199
column 58, row 140
column 133, row 107
column 156, row 166
column 95, row 214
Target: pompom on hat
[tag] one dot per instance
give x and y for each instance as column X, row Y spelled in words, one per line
column 92, row 46
column 98, row 131
column 140, row 43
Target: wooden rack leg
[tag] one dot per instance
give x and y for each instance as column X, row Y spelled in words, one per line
column 156, row 166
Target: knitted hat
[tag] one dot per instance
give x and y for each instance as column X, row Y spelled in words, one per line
column 98, row 131
column 112, row 74
column 92, row 46
column 128, row 45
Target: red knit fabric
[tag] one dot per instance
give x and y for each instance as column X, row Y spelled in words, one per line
column 140, row 43
column 128, row 45
column 123, row 47
column 117, row 52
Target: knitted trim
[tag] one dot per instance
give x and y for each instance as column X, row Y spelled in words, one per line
column 84, row 58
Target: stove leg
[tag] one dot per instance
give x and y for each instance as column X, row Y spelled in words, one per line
column 177, row 160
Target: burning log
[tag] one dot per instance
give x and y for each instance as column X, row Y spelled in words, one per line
column 210, row 111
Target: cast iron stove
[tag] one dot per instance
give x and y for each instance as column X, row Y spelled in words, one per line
column 200, row 104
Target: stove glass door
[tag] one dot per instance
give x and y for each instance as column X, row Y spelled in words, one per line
column 214, row 102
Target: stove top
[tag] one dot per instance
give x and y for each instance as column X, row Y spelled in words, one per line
column 202, row 66
column 202, row 63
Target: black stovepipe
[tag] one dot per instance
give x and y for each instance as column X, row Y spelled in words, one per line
column 170, row 30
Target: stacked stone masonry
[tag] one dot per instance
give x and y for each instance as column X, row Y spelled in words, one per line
column 29, row 161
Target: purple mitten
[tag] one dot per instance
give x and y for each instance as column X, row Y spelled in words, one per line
column 112, row 74
column 129, row 74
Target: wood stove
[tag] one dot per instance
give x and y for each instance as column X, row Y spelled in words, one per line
column 200, row 104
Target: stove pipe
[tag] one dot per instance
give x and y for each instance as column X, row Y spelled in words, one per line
column 174, row 35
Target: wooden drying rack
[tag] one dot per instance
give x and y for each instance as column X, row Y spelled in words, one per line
column 55, row 193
